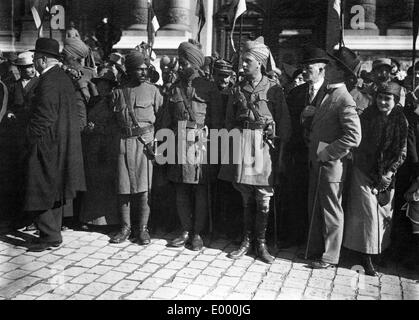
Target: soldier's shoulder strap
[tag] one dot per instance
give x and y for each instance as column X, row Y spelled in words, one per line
column 126, row 94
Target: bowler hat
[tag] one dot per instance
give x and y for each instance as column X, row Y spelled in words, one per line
column 47, row 46
column 223, row 67
column 24, row 59
column 382, row 62
column 390, row 88
column 347, row 59
column 312, row 54
column 106, row 74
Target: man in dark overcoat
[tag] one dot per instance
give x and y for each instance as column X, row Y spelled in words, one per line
column 54, row 163
column 21, row 93
column 302, row 102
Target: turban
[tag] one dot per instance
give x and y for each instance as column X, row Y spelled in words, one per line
column 192, row 53
column 135, row 59
column 76, row 48
column 261, row 53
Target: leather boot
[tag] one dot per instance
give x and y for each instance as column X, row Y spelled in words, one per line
column 368, row 266
column 122, row 235
column 181, row 240
column 260, row 230
column 197, row 243
column 244, row 247
column 143, row 236
column 262, row 251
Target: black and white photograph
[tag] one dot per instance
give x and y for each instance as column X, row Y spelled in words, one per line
column 209, row 154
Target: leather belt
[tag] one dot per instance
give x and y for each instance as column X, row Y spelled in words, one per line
column 251, row 125
column 130, row 132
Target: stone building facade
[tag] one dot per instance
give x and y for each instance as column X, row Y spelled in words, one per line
column 285, row 24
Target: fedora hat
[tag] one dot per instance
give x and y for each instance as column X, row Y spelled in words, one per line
column 106, row 74
column 24, row 59
column 47, row 46
column 347, row 59
column 312, row 54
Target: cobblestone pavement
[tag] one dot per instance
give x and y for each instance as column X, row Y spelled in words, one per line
column 87, row 267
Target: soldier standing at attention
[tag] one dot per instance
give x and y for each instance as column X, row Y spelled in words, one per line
column 258, row 109
column 136, row 104
column 193, row 104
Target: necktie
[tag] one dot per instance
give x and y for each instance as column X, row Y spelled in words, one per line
column 311, row 94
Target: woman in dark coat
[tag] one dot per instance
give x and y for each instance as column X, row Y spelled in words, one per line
column 368, row 218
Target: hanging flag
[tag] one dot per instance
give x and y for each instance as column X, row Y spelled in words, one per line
column 334, row 27
column 152, row 24
column 200, row 13
column 38, row 10
column 237, row 8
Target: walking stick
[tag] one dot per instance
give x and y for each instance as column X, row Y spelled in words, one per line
column 313, row 211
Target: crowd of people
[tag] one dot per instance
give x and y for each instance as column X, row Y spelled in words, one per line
column 336, row 149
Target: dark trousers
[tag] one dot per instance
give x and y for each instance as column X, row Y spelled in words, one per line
column 49, row 224
column 293, row 220
column 228, row 209
column 192, row 206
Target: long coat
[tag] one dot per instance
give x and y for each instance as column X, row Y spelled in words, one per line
column 295, row 187
column 268, row 99
column 368, row 224
column 205, row 104
column 146, row 101
column 54, row 163
column 101, row 149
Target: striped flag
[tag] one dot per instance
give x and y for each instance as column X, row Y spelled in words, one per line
column 200, row 13
column 152, row 24
column 334, row 31
column 237, row 8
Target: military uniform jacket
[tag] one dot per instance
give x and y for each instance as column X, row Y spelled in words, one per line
column 205, row 102
column 268, row 99
column 146, row 101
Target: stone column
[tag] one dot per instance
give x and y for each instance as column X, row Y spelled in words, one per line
column 405, row 15
column 139, row 15
column 6, row 22
column 179, row 16
column 370, row 7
